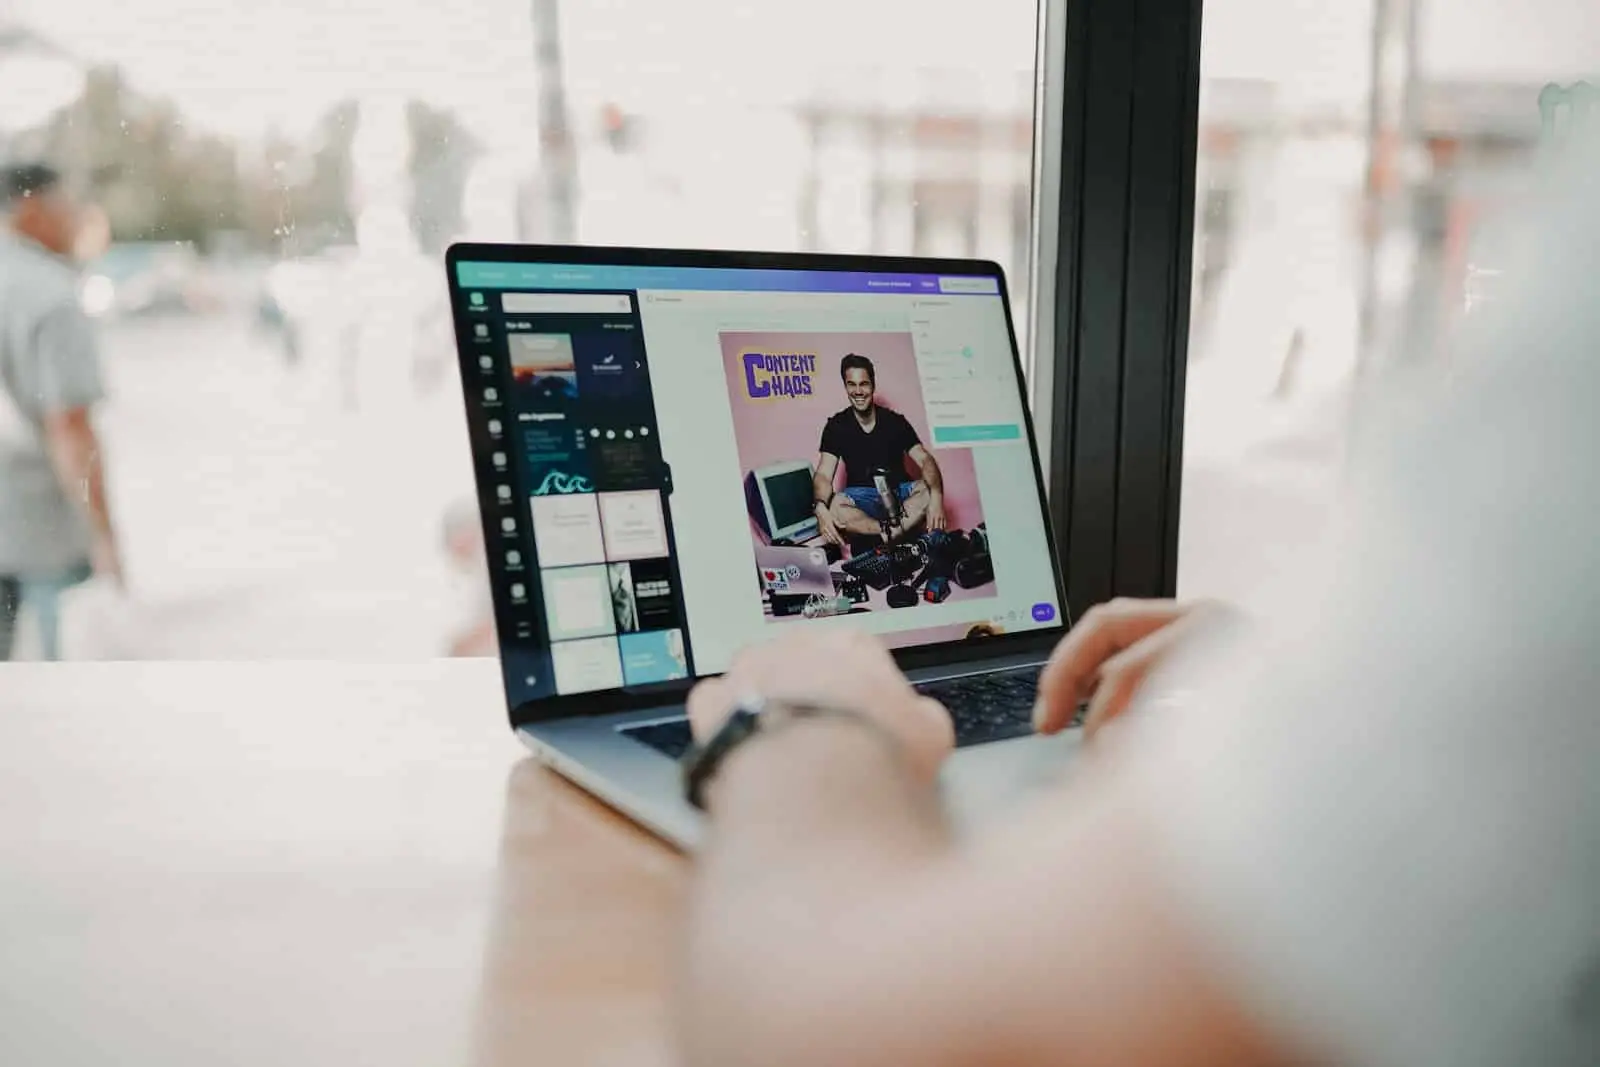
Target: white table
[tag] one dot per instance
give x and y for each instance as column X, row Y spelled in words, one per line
column 312, row 863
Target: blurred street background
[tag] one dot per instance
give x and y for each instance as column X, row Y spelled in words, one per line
column 274, row 186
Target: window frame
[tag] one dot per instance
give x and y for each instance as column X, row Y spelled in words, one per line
column 1117, row 112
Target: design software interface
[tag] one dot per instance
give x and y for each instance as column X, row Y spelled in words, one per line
column 684, row 460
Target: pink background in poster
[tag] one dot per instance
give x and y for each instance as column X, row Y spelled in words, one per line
column 790, row 428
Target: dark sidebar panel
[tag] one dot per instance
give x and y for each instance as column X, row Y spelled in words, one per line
column 576, row 497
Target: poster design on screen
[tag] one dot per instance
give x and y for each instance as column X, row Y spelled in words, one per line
column 840, row 415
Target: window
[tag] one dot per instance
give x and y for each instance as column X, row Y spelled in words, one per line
column 1350, row 155
column 271, row 189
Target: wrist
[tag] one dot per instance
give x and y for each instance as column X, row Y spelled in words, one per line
column 754, row 719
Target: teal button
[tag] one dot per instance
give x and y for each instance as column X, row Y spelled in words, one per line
column 966, row 435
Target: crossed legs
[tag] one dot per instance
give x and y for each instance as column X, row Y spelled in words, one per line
column 863, row 515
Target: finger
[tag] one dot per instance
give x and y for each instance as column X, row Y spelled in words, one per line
column 1104, row 631
column 937, row 738
column 1124, row 674
column 1118, row 685
column 708, row 703
column 945, row 726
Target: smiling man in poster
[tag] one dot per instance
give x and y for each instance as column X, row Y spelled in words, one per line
column 873, row 442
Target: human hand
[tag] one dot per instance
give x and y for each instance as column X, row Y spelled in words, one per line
column 826, row 527
column 936, row 516
column 846, row 670
column 106, row 562
column 1107, row 656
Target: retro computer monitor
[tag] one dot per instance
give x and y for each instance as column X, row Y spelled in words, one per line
column 783, row 500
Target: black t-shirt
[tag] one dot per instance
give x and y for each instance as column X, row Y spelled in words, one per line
column 862, row 453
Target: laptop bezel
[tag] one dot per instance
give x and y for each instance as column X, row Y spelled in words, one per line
column 666, row 694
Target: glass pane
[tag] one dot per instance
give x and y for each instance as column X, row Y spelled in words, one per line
column 266, row 192
column 1352, row 160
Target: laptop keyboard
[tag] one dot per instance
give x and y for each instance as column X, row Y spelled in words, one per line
column 988, row 707
column 993, row 706
column 671, row 738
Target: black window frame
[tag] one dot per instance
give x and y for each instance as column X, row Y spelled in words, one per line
column 1118, row 335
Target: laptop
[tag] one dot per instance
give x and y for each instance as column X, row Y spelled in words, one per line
column 646, row 427
column 795, row 571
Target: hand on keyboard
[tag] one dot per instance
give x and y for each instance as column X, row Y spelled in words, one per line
column 1107, row 656
column 844, row 669
column 982, row 707
column 992, row 706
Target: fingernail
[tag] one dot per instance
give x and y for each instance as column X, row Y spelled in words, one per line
column 1040, row 710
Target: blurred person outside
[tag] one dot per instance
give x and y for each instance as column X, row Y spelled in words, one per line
column 1362, row 828
column 471, row 631
column 55, row 526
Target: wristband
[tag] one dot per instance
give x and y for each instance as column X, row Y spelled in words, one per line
column 751, row 715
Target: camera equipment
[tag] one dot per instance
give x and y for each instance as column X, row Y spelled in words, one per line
column 820, row 607
column 786, row 604
column 853, row 588
column 980, row 538
column 888, row 564
column 907, row 560
column 875, row 568
column 975, row 570
column 944, row 548
column 937, row 591
column 902, row 596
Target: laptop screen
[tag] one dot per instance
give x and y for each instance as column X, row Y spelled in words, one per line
column 675, row 462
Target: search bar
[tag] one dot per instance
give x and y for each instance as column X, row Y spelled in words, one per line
column 968, row 285
column 566, row 303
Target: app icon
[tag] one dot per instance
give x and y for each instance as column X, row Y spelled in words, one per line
column 518, row 590
column 508, row 525
column 495, row 427
column 491, row 394
column 481, row 330
column 514, row 558
column 486, row 362
column 477, row 300
column 503, row 491
column 500, row 460
column 1044, row 612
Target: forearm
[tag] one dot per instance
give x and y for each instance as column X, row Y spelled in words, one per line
column 75, row 457
column 932, row 477
column 821, row 489
column 821, row 785
column 1054, row 939
column 812, row 829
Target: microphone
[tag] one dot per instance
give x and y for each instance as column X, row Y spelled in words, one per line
column 886, row 493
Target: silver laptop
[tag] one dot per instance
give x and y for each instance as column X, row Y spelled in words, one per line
column 653, row 432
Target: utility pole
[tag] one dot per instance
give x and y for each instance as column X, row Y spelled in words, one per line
column 1392, row 148
column 558, row 157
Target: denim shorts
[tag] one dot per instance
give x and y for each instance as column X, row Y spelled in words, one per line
column 867, row 499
